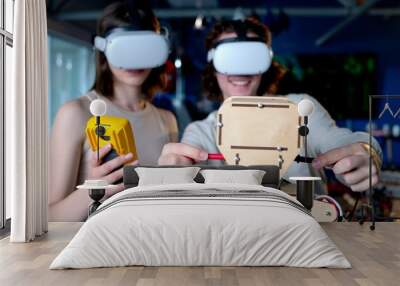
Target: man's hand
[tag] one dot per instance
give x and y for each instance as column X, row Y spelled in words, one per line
column 181, row 154
column 352, row 163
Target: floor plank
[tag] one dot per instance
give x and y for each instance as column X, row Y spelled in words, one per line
column 374, row 255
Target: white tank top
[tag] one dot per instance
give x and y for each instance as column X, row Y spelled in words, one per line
column 152, row 128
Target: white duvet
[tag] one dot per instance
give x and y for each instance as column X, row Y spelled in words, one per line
column 235, row 228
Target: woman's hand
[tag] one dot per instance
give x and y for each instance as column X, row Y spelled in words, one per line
column 110, row 171
column 351, row 162
column 181, row 154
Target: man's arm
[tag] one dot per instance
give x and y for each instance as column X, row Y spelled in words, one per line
column 346, row 152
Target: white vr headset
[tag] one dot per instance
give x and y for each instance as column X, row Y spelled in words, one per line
column 241, row 56
column 130, row 49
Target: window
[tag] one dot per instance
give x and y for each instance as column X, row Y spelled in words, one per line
column 71, row 71
column 7, row 89
column 9, row 12
column 71, row 74
column 6, row 43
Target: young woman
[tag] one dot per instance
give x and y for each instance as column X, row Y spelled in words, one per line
column 127, row 94
column 346, row 152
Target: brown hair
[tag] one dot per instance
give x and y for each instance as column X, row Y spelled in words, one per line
column 114, row 16
column 269, row 80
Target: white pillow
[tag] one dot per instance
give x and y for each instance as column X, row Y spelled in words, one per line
column 164, row 176
column 248, row 177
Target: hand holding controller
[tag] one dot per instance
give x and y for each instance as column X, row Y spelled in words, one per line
column 112, row 140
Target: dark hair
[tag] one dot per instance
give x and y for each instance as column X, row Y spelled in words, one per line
column 269, row 80
column 118, row 15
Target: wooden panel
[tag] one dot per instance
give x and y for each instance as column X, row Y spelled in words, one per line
column 269, row 133
column 374, row 255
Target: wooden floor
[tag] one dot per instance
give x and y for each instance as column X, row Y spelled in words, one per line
column 375, row 257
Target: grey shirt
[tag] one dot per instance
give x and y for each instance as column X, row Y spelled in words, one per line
column 324, row 135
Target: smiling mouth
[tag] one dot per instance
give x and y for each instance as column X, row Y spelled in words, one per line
column 239, row 81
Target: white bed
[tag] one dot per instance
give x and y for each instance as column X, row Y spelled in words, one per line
column 201, row 224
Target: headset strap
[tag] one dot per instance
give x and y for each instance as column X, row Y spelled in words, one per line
column 238, row 39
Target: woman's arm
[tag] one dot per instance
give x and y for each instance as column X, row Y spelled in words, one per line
column 66, row 141
column 65, row 202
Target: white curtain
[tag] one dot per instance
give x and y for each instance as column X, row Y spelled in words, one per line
column 26, row 123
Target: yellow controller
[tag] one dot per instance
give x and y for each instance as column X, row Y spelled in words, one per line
column 114, row 130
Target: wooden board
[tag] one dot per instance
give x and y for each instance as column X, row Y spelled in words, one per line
column 374, row 255
column 258, row 131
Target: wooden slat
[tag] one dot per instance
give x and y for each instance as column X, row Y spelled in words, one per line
column 256, row 105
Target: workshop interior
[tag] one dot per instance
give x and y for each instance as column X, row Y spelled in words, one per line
column 199, row 142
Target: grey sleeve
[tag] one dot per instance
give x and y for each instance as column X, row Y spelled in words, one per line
column 199, row 135
column 193, row 135
column 325, row 135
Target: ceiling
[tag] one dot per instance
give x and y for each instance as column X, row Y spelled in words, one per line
column 80, row 16
column 73, row 5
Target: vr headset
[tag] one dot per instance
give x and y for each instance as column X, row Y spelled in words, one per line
column 133, row 49
column 241, row 55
